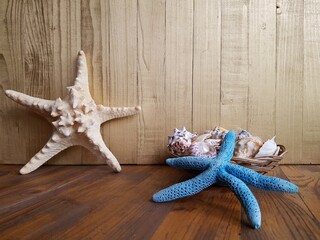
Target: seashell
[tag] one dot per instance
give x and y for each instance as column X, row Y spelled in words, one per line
column 218, row 132
column 203, row 137
column 269, row 148
column 205, row 147
column 202, row 149
column 242, row 133
column 180, row 142
column 247, row 147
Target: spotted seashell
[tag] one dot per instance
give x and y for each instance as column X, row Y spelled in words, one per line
column 180, row 142
column 247, row 147
column 242, row 133
column 218, row 133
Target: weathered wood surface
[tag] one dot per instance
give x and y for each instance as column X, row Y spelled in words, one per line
column 199, row 64
column 91, row 202
column 289, row 91
column 287, row 216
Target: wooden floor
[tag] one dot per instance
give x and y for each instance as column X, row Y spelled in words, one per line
column 91, row 202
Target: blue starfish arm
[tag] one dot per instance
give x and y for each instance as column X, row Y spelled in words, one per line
column 187, row 188
column 195, row 163
column 257, row 180
column 245, row 196
column 227, row 148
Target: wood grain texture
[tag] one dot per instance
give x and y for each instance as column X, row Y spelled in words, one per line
column 152, row 75
column 262, row 66
column 284, row 215
column 234, row 63
column 311, row 93
column 179, row 38
column 123, row 85
column 289, row 92
column 308, row 179
column 212, row 214
column 66, row 41
column 95, row 41
column 91, row 202
column 206, row 65
column 28, row 65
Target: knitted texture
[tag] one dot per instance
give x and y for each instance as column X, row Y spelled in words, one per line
column 220, row 169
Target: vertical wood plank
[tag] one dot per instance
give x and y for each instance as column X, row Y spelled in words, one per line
column 206, row 65
column 311, row 93
column 66, row 27
column 179, row 38
column 290, row 78
column 123, row 85
column 29, row 48
column 103, row 55
column 95, row 43
column 262, row 68
column 9, row 126
column 38, row 67
column 9, row 130
column 234, row 64
column 151, row 73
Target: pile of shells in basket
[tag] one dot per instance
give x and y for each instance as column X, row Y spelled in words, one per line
column 250, row 151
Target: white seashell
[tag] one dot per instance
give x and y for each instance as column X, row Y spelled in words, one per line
column 202, row 149
column 205, row 147
column 269, row 148
column 247, row 147
column 203, row 137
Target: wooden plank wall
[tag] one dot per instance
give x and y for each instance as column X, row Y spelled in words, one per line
column 199, row 64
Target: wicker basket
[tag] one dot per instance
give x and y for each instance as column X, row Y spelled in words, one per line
column 262, row 164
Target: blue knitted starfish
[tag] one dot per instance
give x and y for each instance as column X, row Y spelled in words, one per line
column 220, row 169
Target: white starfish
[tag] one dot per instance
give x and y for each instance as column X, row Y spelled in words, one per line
column 76, row 119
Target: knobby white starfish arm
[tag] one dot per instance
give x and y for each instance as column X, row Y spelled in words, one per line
column 41, row 106
column 76, row 119
column 109, row 113
column 56, row 144
column 82, row 79
column 97, row 146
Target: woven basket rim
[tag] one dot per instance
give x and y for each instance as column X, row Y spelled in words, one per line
column 277, row 158
column 261, row 164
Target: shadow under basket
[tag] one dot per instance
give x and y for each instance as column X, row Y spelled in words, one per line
column 262, row 164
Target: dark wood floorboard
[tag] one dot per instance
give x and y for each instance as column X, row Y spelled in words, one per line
column 284, row 215
column 91, row 202
column 307, row 178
